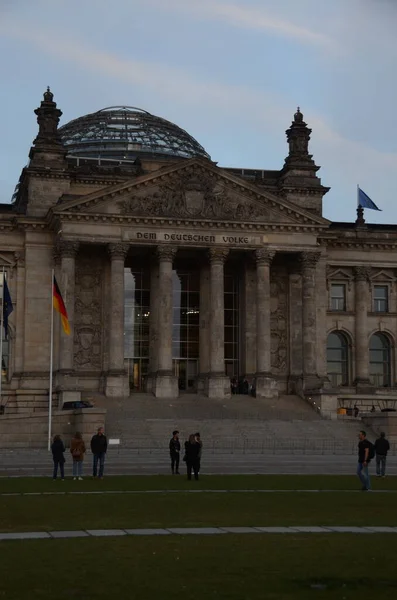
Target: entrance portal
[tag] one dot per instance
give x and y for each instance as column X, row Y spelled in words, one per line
column 186, row 372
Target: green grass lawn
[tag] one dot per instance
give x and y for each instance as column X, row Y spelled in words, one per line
column 184, row 509
column 249, row 567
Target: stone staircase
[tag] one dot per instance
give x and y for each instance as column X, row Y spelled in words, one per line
column 240, row 424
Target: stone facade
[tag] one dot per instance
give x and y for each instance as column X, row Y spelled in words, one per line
column 313, row 310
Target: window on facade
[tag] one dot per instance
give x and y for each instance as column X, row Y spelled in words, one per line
column 337, row 359
column 379, row 360
column 231, row 324
column 381, row 303
column 338, row 297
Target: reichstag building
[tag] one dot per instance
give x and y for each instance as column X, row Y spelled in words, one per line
column 179, row 275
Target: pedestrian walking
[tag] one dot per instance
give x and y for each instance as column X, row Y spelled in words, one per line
column 175, row 452
column 366, row 451
column 57, row 449
column 192, row 451
column 77, row 450
column 99, row 446
column 382, row 447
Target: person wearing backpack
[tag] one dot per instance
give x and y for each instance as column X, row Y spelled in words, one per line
column 366, row 451
column 382, row 447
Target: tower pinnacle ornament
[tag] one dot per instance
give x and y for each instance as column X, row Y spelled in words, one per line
column 48, row 116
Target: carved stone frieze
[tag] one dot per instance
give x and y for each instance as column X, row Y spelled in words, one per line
column 192, row 196
column 118, row 251
column 279, row 320
column 264, row 255
column 218, row 255
column 88, row 315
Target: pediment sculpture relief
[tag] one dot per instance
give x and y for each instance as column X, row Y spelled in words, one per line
column 194, row 199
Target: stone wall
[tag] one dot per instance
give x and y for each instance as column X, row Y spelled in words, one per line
column 89, row 318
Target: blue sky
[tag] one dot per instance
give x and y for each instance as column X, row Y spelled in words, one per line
column 230, row 72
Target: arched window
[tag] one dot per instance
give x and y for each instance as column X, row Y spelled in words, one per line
column 379, row 360
column 337, row 359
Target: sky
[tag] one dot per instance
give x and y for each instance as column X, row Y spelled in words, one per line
column 230, row 72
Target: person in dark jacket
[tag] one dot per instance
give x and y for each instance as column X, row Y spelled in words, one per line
column 99, row 446
column 192, row 452
column 198, row 440
column 57, row 449
column 175, row 452
column 382, row 447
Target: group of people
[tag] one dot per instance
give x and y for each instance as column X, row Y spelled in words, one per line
column 99, row 446
column 366, row 452
column 192, row 457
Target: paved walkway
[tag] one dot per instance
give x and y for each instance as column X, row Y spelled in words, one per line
column 193, row 491
column 34, row 535
column 123, row 462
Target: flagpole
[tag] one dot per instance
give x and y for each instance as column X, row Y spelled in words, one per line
column 51, row 364
column 358, row 195
column 1, row 338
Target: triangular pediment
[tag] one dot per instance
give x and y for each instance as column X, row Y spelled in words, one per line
column 192, row 190
column 382, row 276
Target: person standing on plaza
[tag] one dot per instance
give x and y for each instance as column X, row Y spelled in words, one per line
column 200, row 443
column 175, row 452
column 192, row 451
column 99, row 446
column 382, row 447
column 365, row 451
column 57, row 449
column 77, row 450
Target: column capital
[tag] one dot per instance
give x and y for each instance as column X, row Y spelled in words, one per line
column 166, row 253
column 66, row 249
column 218, row 255
column 308, row 260
column 361, row 273
column 264, row 256
column 118, row 251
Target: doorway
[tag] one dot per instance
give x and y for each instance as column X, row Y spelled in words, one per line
column 186, row 371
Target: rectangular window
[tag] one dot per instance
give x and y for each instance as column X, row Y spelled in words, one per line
column 338, row 297
column 381, row 300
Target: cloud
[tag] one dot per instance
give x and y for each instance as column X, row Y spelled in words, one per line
column 263, row 111
column 247, row 17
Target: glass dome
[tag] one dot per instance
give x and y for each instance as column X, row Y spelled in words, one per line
column 124, row 133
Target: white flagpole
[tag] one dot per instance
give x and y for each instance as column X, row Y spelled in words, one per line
column 51, row 362
column 1, row 337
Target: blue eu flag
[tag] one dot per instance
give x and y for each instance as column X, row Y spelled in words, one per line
column 365, row 201
column 7, row 306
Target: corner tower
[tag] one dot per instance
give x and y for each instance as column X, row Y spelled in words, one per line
column 299, row 182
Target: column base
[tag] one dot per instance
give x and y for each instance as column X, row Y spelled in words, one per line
column 149, row 382
column 201, row 383
column 218, row 386
column 117, row 385
column 363, row 386
column 265, row 386
column 165, row 385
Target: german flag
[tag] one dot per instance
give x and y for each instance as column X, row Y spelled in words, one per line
column 59, row 305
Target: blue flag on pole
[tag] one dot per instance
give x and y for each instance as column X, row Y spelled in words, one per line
column 7, row 306
column 365, row 201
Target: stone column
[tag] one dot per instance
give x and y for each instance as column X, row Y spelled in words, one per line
column 117, row 381
column 204, row 332
column 218, row 385
column 165, row 384
column 295, row 327
column 20, row 316
column 361, row 275
column 68, row 251
column 311, row 381
column 153, row 324
column 266, row 386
